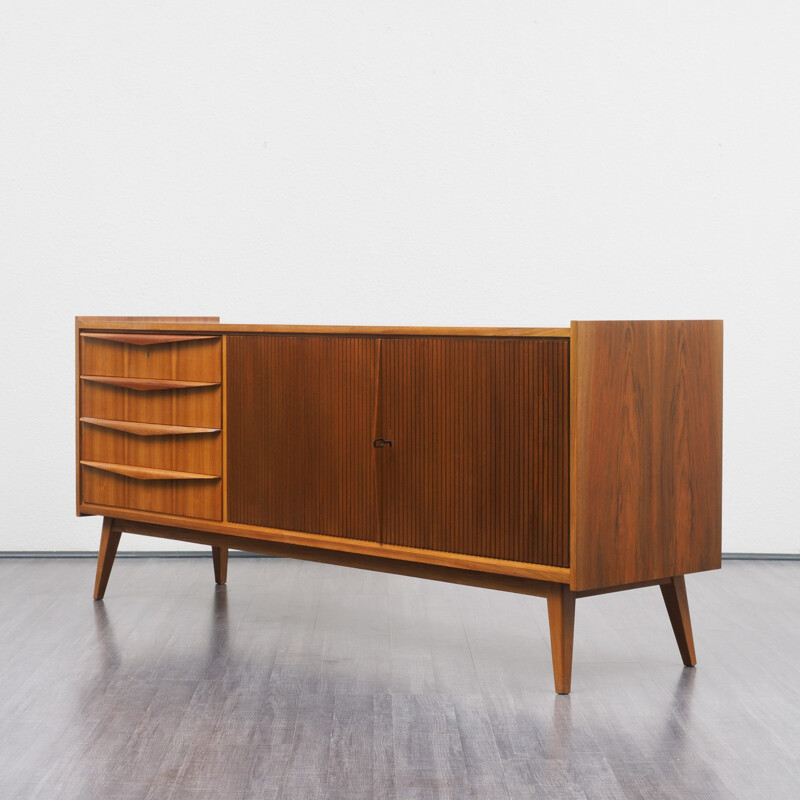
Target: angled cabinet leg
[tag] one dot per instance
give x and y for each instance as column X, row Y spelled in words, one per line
column 220, row 556
column 109, row 541
column 677, row 603
column 561, row 611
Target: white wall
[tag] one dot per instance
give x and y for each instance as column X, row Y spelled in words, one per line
column 418, row 163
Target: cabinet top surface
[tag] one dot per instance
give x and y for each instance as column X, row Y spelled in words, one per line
column 214, row 326
column 207, row 325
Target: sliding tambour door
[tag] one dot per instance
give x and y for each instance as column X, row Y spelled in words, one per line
column 478, row 460
column 300, row 417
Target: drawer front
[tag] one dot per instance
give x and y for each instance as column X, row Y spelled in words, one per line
column 197, row 406
column 187, row 498
column 191, row 452
column 186, row 358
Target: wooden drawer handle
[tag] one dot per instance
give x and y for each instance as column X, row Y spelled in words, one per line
column 147, row 384
column 149, row 473
column 146, row 428
column 145, row 339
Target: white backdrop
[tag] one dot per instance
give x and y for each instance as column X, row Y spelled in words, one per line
column 411, row 163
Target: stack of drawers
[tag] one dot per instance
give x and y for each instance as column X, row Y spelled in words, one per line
column 151, row 422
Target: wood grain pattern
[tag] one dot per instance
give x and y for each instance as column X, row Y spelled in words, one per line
column 646, row 450
column 191, row 358
column 151, row 489
column 201, row 407
column 300, row 453
column 146, row 428
column 479, row 455
column 194, row 453
column 147, row 384
column 148, row 473
column 168, row 429
column 195, row 499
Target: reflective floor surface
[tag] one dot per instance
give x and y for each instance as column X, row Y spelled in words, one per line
column 302, row 681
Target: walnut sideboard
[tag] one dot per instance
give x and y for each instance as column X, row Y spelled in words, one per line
column 556, row 462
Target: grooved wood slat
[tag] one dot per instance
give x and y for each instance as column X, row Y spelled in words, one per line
column 299, row 433
column 478, row 462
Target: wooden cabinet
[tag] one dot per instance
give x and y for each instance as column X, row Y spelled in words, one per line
column 554, row 462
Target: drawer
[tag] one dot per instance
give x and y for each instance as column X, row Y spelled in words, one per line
column 193, row 450
column 151, row 490
column 194, row 406
column 159, row 356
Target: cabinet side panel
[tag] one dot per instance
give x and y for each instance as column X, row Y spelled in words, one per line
column 478, row 461
column 646, row 450
column 300, row 416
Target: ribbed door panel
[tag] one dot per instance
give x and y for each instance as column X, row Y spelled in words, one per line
column 479, row 456
column 479, row 441
column 300, row 420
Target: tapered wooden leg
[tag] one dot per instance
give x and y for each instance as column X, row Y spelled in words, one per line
column 678, row 609
column 109, row 541
column 561, row 611
column 220, row 556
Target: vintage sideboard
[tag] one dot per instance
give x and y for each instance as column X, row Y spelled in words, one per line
column 556, row 462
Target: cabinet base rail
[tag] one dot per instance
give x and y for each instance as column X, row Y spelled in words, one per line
column 560, row 598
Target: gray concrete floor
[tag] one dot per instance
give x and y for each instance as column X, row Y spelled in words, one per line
column 305, row 681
